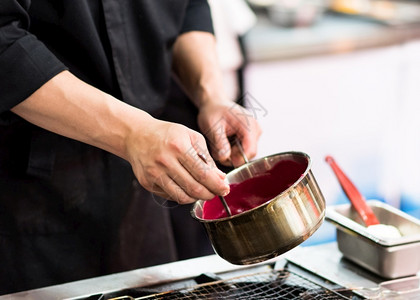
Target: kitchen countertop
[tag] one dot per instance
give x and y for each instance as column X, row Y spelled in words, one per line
column 333, row 33
column 323, row 260
column 149, row 276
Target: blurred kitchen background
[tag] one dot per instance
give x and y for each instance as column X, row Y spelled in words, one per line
column 331, row 77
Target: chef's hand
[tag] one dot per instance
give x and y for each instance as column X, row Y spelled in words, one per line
column 173, row 162
column 196, row 66
column 220, row 120
column 164, row 156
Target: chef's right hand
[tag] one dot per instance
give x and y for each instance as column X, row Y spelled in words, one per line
column 172, row 161
column 164, row 156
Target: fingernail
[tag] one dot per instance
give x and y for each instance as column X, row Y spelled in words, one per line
column 227, row 187
column 226, row 193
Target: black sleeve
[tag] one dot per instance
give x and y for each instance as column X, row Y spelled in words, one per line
column 25, row 62
column 197, row 17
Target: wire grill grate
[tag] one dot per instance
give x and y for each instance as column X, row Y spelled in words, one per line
column 281, row 284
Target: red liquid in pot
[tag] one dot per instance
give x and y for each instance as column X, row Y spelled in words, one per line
column 257, row 190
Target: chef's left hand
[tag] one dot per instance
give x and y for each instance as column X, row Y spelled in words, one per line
column 218, row 121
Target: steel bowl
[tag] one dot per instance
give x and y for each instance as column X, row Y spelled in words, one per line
column 275, row 226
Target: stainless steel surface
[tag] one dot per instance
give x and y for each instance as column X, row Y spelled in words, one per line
column 346, row 217
column 407, row 288
column 272, row 228
column 170, row 272
column 323, row 261
column 389, row 258
column 327, row 262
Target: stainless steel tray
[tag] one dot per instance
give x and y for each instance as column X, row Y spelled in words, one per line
column 389, row 258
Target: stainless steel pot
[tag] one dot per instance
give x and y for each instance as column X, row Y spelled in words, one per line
column 272, row 228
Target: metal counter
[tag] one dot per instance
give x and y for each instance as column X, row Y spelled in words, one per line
column 137, row 278
column 323, row 260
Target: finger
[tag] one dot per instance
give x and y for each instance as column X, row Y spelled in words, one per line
column 249, row 140
column 207, row 159
column 157, row 190
column 168, row 188
column 207, row 177
column 189, row 184
column 219, row 142
column 237, row 157
column 172, row 169
column 204, row 171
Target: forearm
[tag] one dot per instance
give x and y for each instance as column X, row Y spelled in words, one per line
column 159, row 152
column 67, row 106
column 196, row 66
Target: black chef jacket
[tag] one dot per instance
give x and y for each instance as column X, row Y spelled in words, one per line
column 68, row 210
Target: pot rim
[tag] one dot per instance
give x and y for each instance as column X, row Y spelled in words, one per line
column 298, row 181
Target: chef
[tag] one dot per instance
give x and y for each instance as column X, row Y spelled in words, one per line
column 84, row 152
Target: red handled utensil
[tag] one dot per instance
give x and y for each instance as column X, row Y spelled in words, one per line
column 356, row 198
